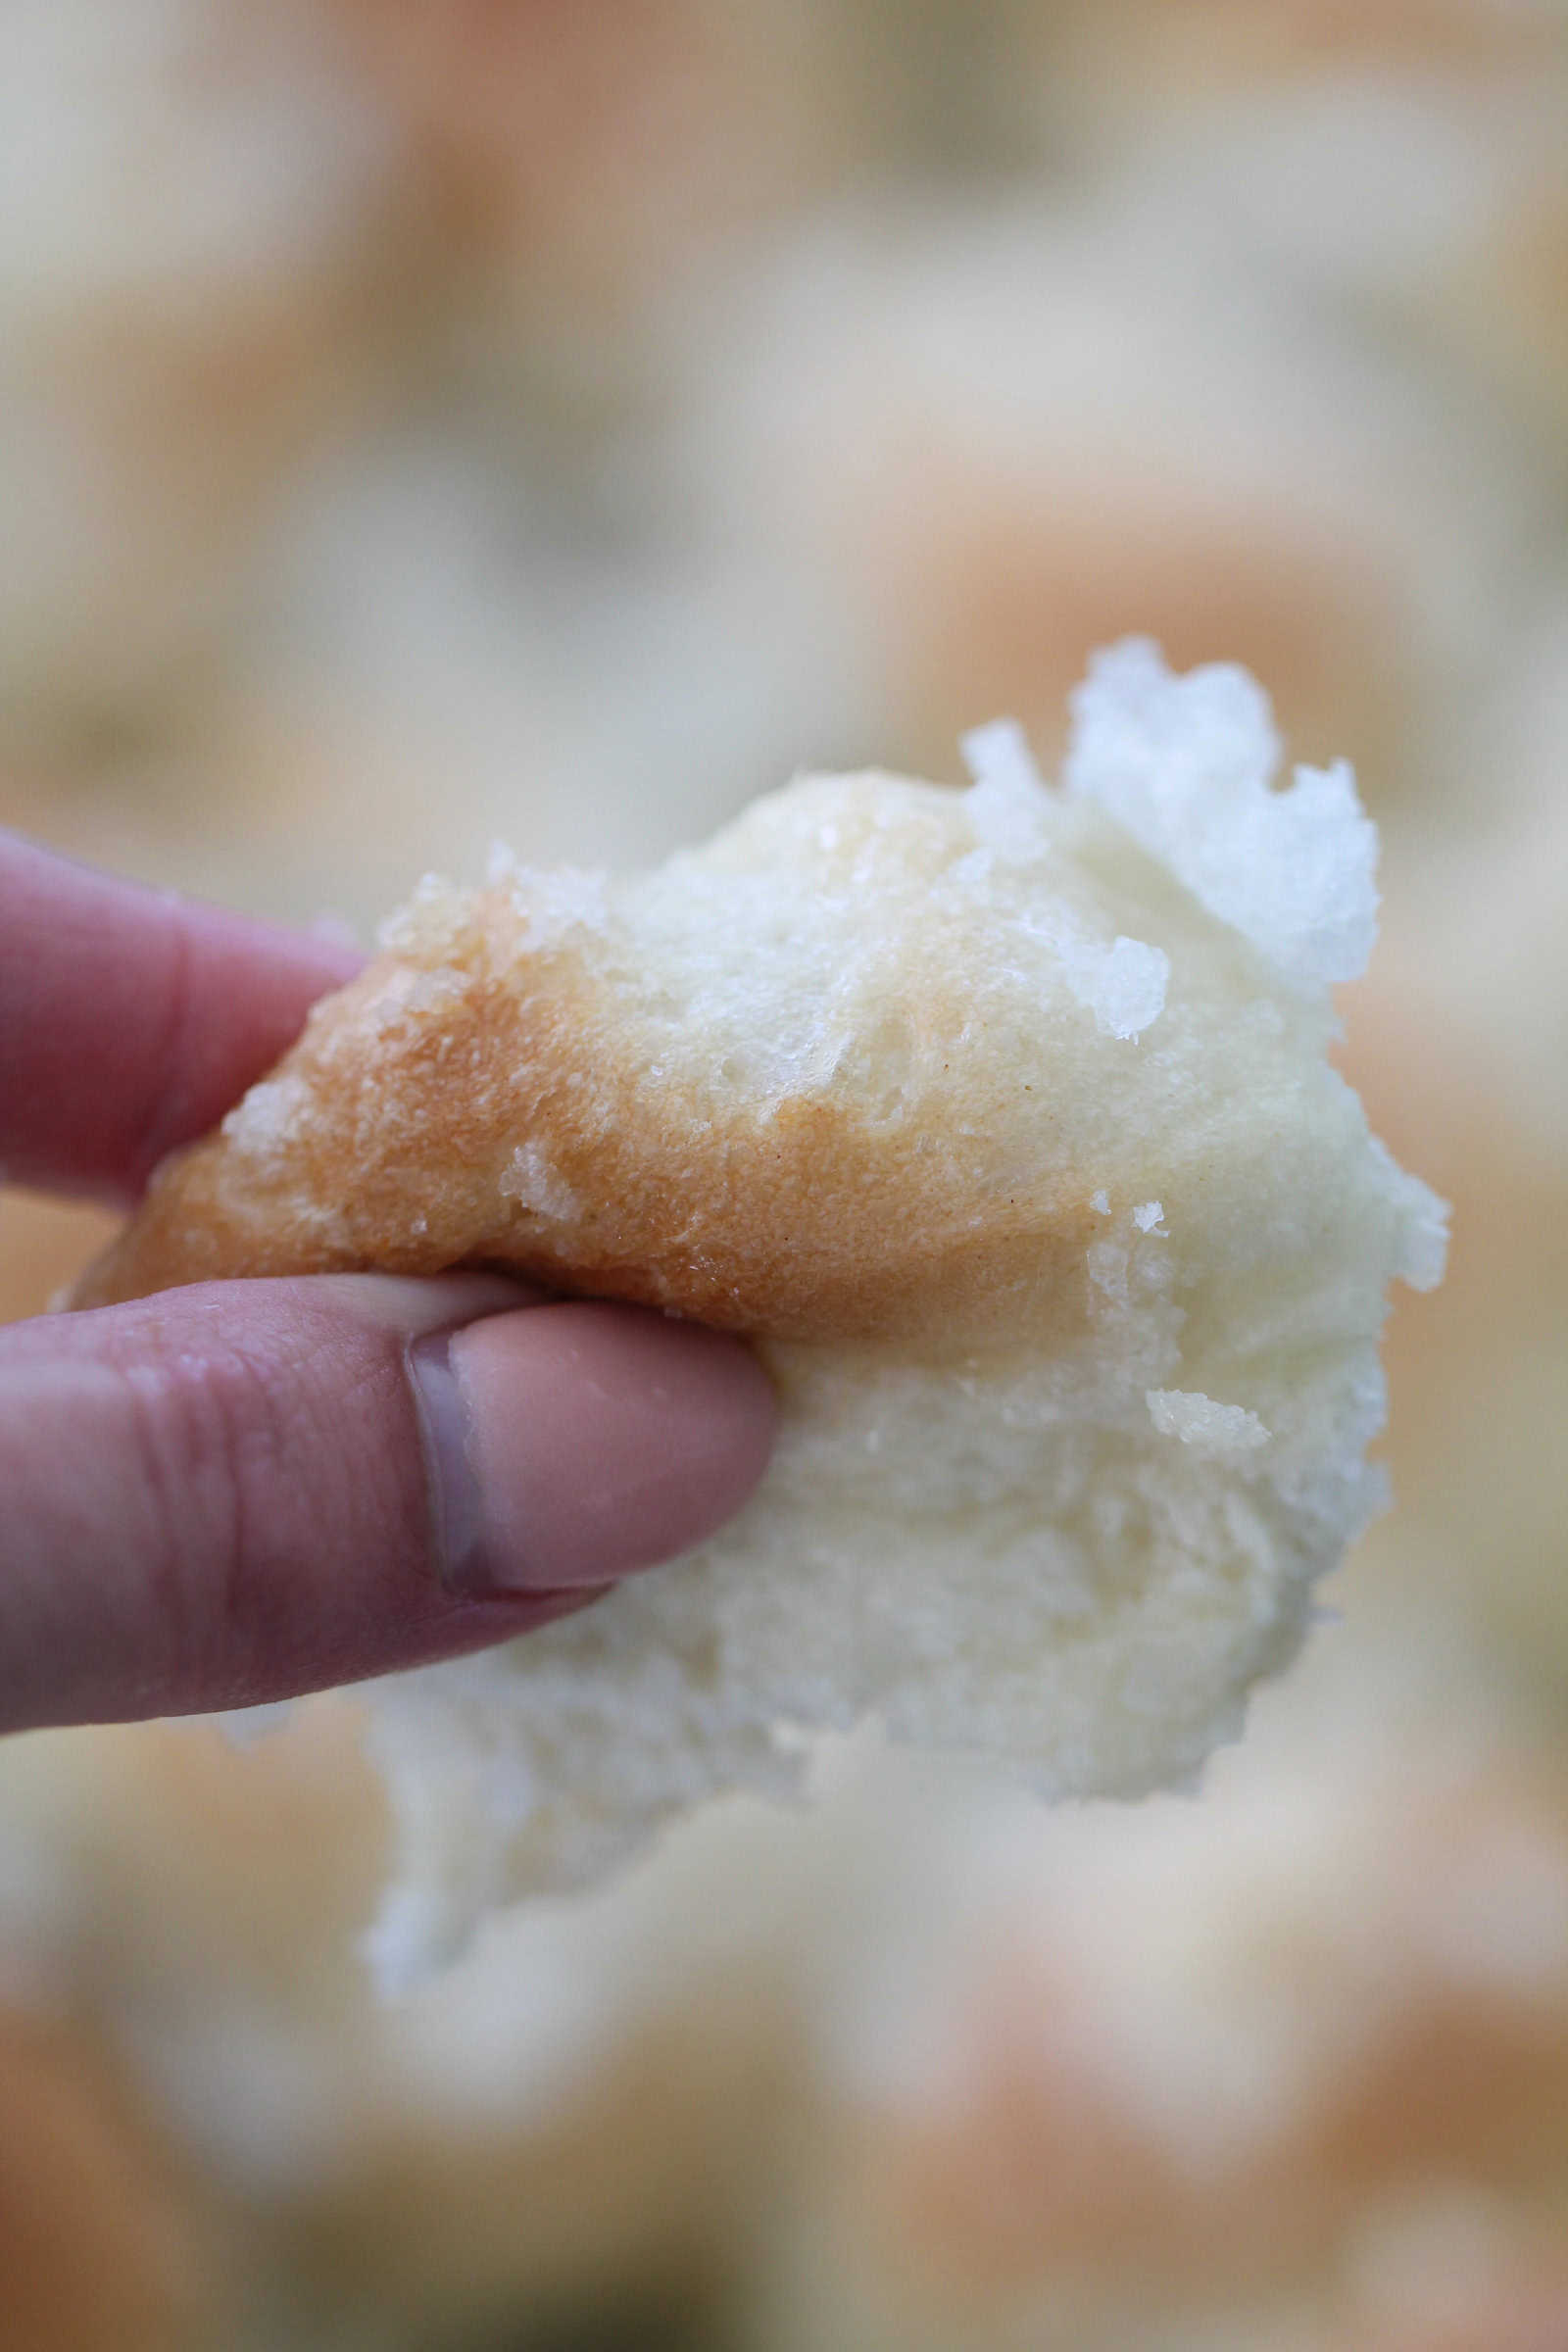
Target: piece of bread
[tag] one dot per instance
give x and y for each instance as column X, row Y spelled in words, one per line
column 1002, row 1121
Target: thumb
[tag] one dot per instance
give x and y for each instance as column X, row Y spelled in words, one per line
column 242, row 1490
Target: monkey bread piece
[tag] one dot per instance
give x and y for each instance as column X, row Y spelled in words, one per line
column 1002, row 1121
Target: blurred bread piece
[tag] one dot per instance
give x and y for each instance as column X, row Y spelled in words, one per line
column 1002, row 1121
column 567, row 2126
column 191, row 264
column 106, row 2245
column 1477, row 942
column 1474, row 953
column 575, row 171
column 1289, row 2065
column 1423, row 212
column 1118, row 77
column 198, row 1907
column 992, row 436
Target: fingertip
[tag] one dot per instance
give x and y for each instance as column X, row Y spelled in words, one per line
column 222, row 1495
column 572, row 1443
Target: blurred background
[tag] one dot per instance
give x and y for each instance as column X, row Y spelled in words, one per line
column 433, row 420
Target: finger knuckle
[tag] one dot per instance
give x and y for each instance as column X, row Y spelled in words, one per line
column 211, row 1446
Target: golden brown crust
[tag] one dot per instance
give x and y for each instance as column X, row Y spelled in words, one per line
column 805, row 1217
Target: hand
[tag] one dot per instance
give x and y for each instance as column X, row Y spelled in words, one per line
column 244, row 1490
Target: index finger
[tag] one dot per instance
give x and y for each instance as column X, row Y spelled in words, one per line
column 130, row 1020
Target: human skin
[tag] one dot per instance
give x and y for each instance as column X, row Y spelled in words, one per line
column 242, row 1490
